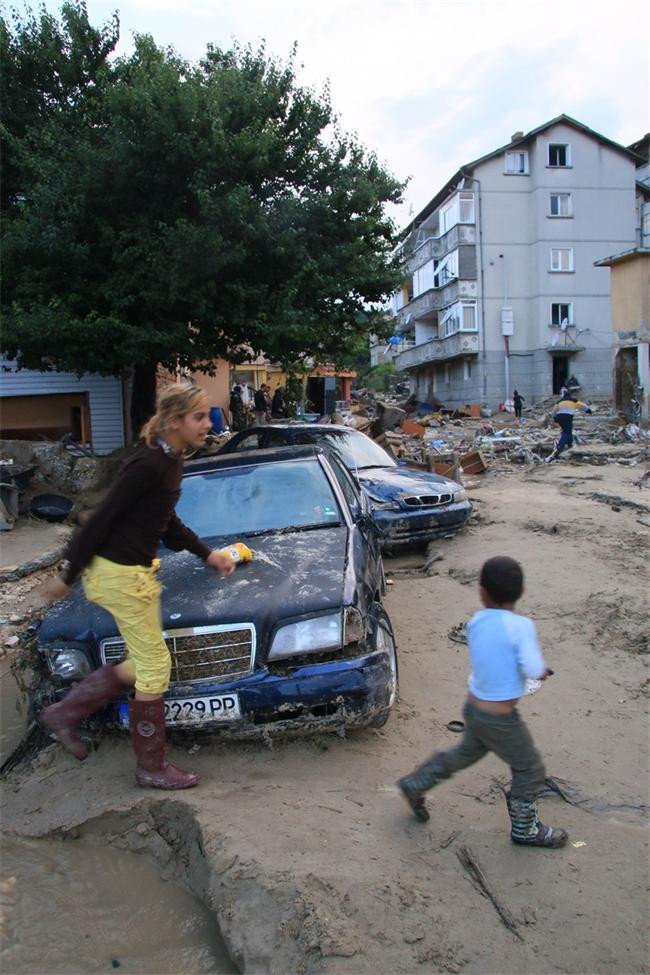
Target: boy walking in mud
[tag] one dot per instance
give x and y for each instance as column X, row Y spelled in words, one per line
column 504, row 652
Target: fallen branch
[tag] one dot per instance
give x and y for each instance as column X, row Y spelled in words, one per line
column 470, row 863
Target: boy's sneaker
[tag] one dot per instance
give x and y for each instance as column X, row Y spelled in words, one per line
column 415, row 800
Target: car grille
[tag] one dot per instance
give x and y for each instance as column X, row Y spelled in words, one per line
column 200, row 653
column 427, row 500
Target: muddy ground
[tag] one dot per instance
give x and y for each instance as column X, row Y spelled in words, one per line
column 305, row 850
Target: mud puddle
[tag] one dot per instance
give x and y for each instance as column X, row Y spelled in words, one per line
column 75, row 908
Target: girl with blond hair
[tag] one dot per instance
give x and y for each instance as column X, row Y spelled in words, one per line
column 113, row 553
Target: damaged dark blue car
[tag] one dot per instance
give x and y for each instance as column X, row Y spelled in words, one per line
column 408, row 505
column 296, row 640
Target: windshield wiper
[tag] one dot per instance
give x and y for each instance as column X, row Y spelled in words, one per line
column 282, row 531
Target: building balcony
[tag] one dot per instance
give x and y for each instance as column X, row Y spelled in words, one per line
column 439, row 350
column 436, row 247
column 429, row 303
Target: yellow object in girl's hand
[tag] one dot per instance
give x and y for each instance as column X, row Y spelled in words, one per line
column 237, row 552
column 155, row 564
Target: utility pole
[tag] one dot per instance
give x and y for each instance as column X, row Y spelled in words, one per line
column 507, row 328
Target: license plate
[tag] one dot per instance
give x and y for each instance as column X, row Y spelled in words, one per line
column 195, row 710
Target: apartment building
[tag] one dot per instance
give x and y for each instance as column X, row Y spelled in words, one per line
column 502, row 291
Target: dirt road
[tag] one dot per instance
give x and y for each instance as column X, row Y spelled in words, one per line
column 307, row 853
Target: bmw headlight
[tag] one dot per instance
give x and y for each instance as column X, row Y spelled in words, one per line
column 308, row 636
column 460, row 495
column 68, row 663
column 379, row 505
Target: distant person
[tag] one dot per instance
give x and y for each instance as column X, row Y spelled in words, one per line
column 504, row 652
column 519, row 401
column 261, row 406
column 563, row 414
column 237, row 409
column 278, row 406
column 113, row 553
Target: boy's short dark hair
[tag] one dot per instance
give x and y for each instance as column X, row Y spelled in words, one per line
column 503, row 579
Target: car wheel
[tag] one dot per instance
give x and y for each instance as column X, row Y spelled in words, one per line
column 383, row 638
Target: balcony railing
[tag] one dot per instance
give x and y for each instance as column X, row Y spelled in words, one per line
column 460, row 233
column 437, row 350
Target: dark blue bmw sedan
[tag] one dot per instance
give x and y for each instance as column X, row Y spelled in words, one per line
column 407, row 505
column 296, row 639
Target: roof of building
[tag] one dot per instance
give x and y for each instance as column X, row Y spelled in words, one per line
column 623, row 256
column 466, row 169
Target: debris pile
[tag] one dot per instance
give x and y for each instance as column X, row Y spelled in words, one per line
column 471, row 440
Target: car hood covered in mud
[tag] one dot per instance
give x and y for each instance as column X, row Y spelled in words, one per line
column 391, row 483
column 293, row 573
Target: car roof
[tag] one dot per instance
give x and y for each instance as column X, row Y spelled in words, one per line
column 320, row 427
column 249, row 457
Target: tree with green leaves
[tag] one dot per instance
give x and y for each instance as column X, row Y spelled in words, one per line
column 170, row 213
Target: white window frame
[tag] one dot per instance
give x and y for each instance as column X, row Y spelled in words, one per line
column 559, row 197
column 423, row 278
column 556, row 260
column 448, row 264
column 569, row 317
column 467, row 370
column 467, row 198
column 452, row 318
column 567, row 155
column 448, row 216
column 516, row 163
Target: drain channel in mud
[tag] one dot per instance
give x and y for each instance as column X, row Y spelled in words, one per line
column 71, row 907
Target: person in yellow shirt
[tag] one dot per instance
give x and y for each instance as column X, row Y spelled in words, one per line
column 563, row 414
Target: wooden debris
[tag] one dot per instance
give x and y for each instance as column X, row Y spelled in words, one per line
column 469, row 861
column 473, row 463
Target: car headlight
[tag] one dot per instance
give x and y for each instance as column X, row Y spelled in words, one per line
column 384, row 505
column 68, row 663
column 460, row 495
column 308, row 636
column 354, row 629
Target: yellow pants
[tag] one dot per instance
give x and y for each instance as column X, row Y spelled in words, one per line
column 131, row 594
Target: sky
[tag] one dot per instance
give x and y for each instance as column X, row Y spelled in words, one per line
column 429, row 85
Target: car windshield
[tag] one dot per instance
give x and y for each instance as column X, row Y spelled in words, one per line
column 257, row 498
column 355, row 449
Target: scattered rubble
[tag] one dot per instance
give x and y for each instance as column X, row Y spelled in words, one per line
column 460, row 443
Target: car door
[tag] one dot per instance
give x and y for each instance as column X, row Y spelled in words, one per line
column 366, row 546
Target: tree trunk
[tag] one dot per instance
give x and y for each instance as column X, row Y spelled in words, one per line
column 143, row 397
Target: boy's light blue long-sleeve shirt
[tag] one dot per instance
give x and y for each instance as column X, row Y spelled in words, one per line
column 504, row 651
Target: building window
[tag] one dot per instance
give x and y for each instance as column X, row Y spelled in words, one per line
column 559, row 155
column 459, row 317
column 562, row 313
column 560, row 205
column 447, row 373
column 468, row 320
column 466, row 208
column 516, row 163
column 459, row 209
column 423, row 279
column 445, row 270
column 467, row 369
column 561, row 259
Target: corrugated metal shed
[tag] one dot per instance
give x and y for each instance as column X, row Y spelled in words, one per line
column 104, row 395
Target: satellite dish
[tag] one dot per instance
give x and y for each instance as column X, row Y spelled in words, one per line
column 565, row 324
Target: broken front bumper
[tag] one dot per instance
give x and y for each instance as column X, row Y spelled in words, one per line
column 420, row 525
column 312, row 697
